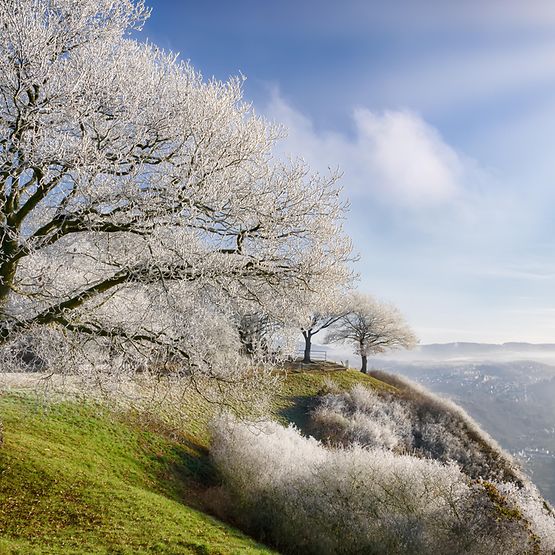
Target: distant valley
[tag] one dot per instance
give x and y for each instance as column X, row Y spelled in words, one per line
column 511, row 397
column 541, row 352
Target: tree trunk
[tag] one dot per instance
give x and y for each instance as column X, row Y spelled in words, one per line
column 7, row 274
column 364, row 366
column 307, row 346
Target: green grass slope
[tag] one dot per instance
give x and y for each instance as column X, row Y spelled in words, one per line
column 77, row 479
column 299, row 392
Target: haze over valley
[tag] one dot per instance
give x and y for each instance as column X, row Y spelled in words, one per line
column 508, row 388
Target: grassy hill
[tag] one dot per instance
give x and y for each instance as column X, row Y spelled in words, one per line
column 77, row 478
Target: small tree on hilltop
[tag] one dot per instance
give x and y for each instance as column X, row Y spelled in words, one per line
column 372, row 327
column 326, row 314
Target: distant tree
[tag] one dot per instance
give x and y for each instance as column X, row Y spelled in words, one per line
column 371, row 326
column 130, row 186
column 327, row 313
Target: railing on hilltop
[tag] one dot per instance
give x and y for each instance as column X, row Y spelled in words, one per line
column 315, row 355
column 319, row 361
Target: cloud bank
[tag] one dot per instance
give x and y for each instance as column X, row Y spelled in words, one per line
column 394, row 156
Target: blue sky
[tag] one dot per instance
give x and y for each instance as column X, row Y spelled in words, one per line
column 441, row 116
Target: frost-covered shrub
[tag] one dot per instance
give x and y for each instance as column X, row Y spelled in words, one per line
column 413, row 421
column 538, row 513
column 362, row 416
column 304, row 497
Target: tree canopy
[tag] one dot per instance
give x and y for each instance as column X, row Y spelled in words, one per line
column 137, row 200
column 372, row 326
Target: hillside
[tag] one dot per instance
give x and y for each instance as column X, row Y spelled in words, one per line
column 79, row 478
column 513, row 401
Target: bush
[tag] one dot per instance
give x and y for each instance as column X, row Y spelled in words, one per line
column 414, row 421
column 303, row 497
column 362, row 416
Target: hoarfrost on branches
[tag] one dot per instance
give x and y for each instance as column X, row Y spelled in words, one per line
column 371, row 326
column 324, row 310
column 304, row 497
column 129, row 186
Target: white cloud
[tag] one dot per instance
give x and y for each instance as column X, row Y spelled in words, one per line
column 525, row 274
column 471, row 14
column 394, row 156
column 452, row 244
column 407, row 158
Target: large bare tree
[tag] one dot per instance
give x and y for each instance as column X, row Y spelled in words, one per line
column 130, row 187
column 371, row 326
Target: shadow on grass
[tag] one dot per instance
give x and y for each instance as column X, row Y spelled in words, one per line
column 298, row 411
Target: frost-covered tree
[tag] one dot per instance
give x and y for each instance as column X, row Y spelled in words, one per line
column 129, row 186
column 327, row 310
column 371, row 326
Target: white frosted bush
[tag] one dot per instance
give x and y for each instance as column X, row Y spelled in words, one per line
column 413, row 421
column 364, row 417
column 304, row 497
column 535, row 510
